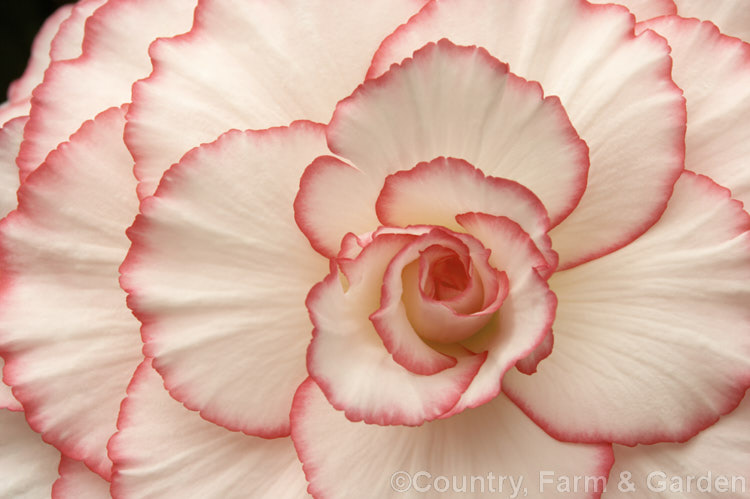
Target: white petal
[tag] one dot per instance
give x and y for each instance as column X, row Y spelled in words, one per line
column 68, row 42
column 114, row 56
column 218, row 274
column 28, row 466
column 11, row 135
column 163, row 450
column 645, row 9
column 462, row 103
column 69, row 340
column 78, row 482
column 7, row 400
column 434, row 193
column 253, row 65
column 21, row 89
column 652, row 342
column 731, row 16
column 348, row 359
column 616, row 88
column 343, row 459
column 723, row 450
column 714, row 72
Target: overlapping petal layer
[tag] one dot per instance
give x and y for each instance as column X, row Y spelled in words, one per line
column 459, row 102
column 163, row 450
column 271, row 63
column 68, row 339
column 494, row 439
column 714, row 72
column 114, row 55
column 645, row 9
column 68, row 42
column 651, row 341
column 616, row 88
column 78, row 482
column 434, row 193
column 524, row 320
column 7, row 400
column 692, row 469
column 218, row 273
column 28, row 466
column 11, row 135
column 39, row 59
column 731, row 16
column 348, row 360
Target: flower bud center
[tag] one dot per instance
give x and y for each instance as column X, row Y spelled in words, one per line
column 447, row 278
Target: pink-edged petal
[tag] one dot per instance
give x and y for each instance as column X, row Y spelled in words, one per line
column 434, row 193
column 11, row 110
column 330, row 204
column 526, row 315
column 347, row 357
column 343, row 459
column 21, row 89
column 714, row 72
column 11, row 135
column 218, row 274
column 652, row 342
column 405, row 319
column 731, row 16
column 7, row 400
column 440, row 320
column 69, row 340
column 461, row 102
column 68, row 42
column 528, row 364
column 645, row 9
column 164, row 450
column 28, row 466
column 253, row 64
column 616, row 88
column 693, row 469
column 114, row 55
column 78, row 482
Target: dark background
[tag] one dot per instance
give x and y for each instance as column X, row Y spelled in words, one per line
column 19, row 22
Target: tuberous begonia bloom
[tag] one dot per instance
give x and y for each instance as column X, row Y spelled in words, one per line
column 400, row 248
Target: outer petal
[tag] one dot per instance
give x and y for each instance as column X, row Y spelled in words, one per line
column 731, row 16
column 7, row 400
column 10, row 110
column 11, row 135
column 21, row 89
column 68, row 42
column 652, row 342
column 165, row 451
column 78, row 482
column 218, row 273
column 460, row 102
column 722, row 450
column 645, row 9
column 114, row 56
column 348, row 360
column 28, row 466
column 343, row 459
column 69, row 340
column 270, row 63
column 714, row 72
column 616, row 88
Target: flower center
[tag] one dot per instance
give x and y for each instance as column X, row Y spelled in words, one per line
column 447, row 278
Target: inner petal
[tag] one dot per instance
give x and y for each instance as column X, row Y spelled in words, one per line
column 446, row 297
column 446, row 276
